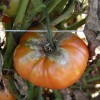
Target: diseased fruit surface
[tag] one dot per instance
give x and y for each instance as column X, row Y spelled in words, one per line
column 36, row 62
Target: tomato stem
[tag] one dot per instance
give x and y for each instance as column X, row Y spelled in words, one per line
column 70, row 7
column 50, row 34
column 8, row 60
column 21, row 12
column 50, row 7
column 33, row 8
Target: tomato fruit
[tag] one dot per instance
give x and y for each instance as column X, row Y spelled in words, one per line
column 36, row 62
column 6, row 94
column 13, row 7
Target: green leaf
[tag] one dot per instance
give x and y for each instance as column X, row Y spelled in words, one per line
column 34, row 93
column 13, row 88
column 76, row 25
column 9, row 51
column 65, row 15
column 30, row 92
column 38, row 93
column 58, row 95
column 33, row 8
column 95, row 78
column 61, row 6
column 21, row 12
column 50, row 7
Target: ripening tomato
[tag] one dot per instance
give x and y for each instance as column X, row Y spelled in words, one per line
column 6, row 94
column 13, row 7
column 44, row 66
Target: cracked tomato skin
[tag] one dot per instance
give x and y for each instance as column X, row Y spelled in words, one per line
column 56, row 70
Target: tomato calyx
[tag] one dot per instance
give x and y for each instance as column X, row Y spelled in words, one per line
column 42, row 45
column 48, row 48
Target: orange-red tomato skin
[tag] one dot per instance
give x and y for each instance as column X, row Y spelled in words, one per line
column 56, row 72
column 6, row 94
